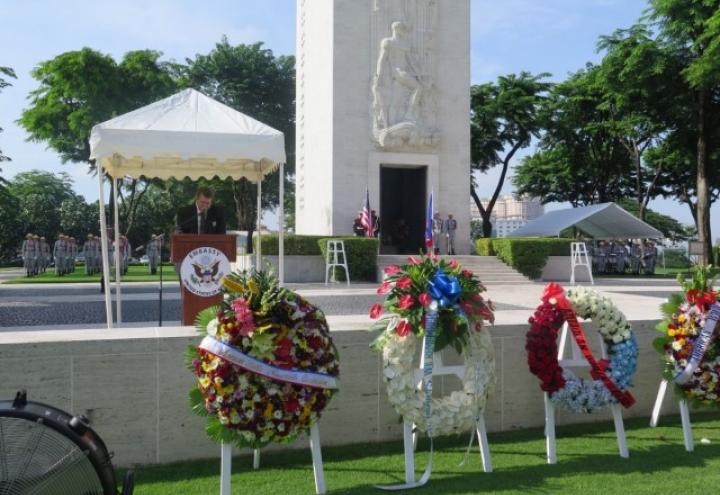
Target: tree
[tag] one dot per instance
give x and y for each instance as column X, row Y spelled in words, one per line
column 4, row 83
column 504, row 119
column 671, row 228
column 250, row 79
column 580, row 156
column 638, row 77
column 79, row 89
column 40, row 196
column 692, row 29
column 79, row 218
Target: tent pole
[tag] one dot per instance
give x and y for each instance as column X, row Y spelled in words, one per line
column 118, row 268
column 281, row 227
column 104, row 246
column 258, row 249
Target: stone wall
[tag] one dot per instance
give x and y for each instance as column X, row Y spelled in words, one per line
column 133, row 385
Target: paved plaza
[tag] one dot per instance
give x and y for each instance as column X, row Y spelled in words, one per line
column 43, row 306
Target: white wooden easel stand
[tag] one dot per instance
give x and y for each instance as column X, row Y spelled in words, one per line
column 319, row 473
column 410, row 436
column 684, row 416
column 578, row 361
column 579, row 257
column 336, row 257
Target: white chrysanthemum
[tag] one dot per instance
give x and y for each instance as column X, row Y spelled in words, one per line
column 212, row 327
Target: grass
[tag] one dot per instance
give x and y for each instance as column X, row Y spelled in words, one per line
column 588, row 464
column 136, row 273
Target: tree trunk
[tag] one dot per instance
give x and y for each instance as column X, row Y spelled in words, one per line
column 703, row 189
column 486, row 224
column 245, row 195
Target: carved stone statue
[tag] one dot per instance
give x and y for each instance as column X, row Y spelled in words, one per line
column 403, row 94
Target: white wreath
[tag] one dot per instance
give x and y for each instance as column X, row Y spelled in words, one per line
column 454, row 413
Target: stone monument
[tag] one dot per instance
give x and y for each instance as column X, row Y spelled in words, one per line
column 383, row 102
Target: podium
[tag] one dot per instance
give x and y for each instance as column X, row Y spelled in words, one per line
column 201, row 260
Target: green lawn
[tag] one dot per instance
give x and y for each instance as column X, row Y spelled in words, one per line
column 588, row 464
column 136, row 273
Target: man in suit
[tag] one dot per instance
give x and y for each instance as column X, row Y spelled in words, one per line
column 202, row 217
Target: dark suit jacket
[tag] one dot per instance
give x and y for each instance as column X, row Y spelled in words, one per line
column 187, row 223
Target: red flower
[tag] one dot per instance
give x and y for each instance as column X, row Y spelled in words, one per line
column 467, row 273
column 425, row 299
column 283, row 349
column 554, row 294
column 292, row 406
column 403, row 283
column 404, row 328
column 391, row 269
column 453, row 264
column 384, row 287
column 406, row 302
column 413, row 260
column 376, row 311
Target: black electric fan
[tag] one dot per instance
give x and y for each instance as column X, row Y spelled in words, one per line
column 45, row 451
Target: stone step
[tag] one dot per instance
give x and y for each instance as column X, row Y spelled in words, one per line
column 489, row 269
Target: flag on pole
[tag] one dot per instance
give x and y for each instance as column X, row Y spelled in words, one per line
column 366, row 219
column 429, row 224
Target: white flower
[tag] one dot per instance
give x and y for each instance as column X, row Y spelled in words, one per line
column 212, row 327
column 676, row 345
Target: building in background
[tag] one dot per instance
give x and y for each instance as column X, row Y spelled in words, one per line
column 509, row 213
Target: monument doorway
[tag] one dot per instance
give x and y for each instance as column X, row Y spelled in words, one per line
column 403, row 190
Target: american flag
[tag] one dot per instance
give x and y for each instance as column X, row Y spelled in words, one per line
column 366, row 219
column 429, row 224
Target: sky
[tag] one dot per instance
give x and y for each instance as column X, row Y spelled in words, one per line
column 507, row 36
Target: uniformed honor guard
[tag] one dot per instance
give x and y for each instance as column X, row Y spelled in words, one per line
column 650, row 258
column 152, row 249
column 449, row 228
column 96, row 253
column 35, row 254
column 72, row 254
column 25, row 253
column 58, row 249
column 88, row 255
column 44, row 254
column 124, row 254
column 437, row 230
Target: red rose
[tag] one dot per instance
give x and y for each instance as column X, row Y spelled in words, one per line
column 376, row 311
column 413, row 260
column 384, row 287
column 453, row 264
column 406, row 302
column 467, row 273
column 391, row 269
column 404, row 328
column 283, row 349
column 403, row 283
column 292, row 406
column 425, row 299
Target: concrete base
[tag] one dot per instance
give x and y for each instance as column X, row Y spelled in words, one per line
column 557, row 269
column 298, row 269
column 132, row 383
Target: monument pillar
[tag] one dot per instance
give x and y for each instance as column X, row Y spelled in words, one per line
column 383, row 102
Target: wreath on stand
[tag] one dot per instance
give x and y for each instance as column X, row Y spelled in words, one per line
column 266, row 367
column 437, row 301
column 689, row 346
column 611, row 378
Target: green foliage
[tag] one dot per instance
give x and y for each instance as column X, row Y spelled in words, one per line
column 40, row 196
column 484, row 246
column 251, row 79
column 526, row 255
column 7, row 72
column 669, row 226
column 503, row 120
column 361, row 257
column 295, row 245
column 675, row 258
column 716, row 256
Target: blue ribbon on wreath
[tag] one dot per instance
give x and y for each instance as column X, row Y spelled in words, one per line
column 445, row 289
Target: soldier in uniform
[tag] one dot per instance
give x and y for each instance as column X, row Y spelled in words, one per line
column 57, row 254
column 635, row 257
column 437, row 230
column 73, row 251
column 96, row 253
column 88, row 255
column 620, row 257
column 152, row 249
column 44, row 254
column 25, row 253
column 124, row 254
column 450, row 226
column 650, row 258
column 35, row 255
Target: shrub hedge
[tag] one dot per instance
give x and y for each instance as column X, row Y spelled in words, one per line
column 716, row 256
column 526, row 255
column 295, row 245
column 361, row 252
column 361, row 255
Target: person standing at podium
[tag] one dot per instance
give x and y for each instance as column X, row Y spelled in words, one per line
column 202, row 217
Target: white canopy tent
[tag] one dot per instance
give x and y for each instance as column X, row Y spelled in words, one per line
column 601, row 221
column 185, row 135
